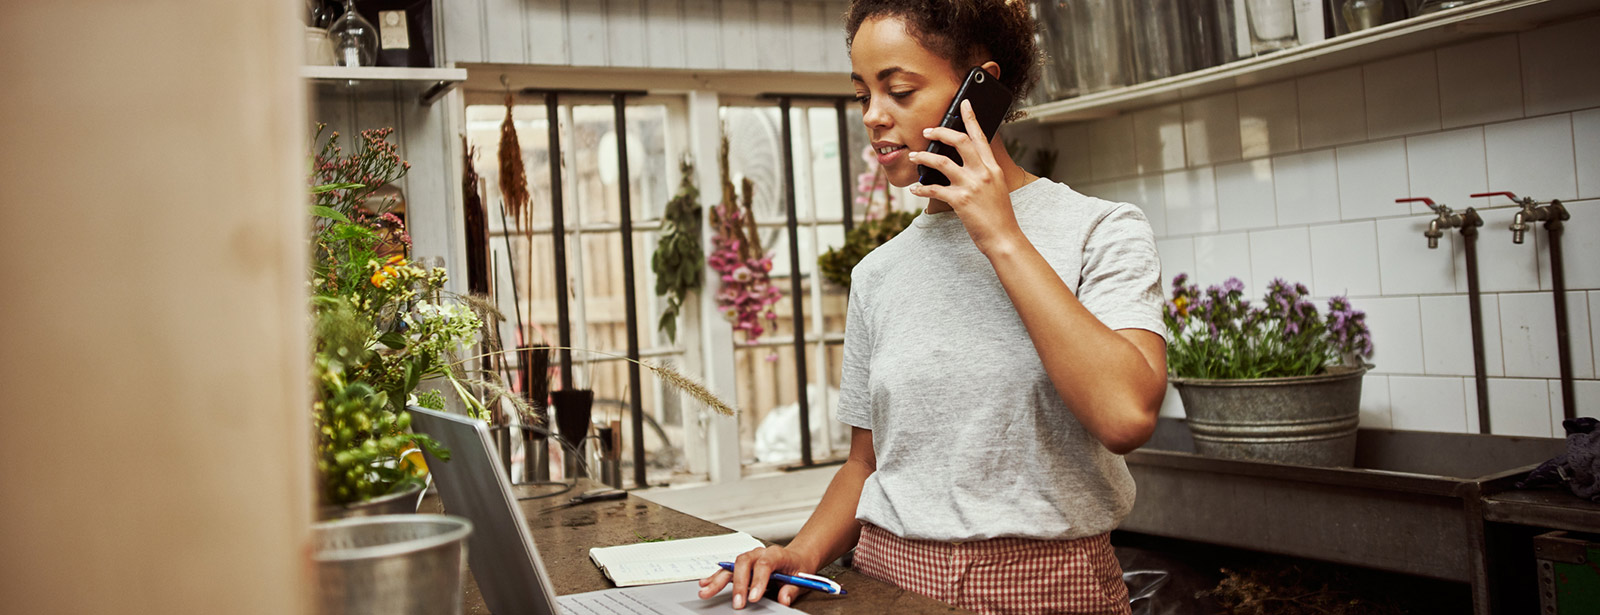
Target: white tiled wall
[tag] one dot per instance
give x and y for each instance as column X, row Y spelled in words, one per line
column 1297, row 179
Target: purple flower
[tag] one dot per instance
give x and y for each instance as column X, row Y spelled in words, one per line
column 1233, row 285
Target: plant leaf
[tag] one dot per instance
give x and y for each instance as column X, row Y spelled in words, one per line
column 329, row 213
column 331, row 187
column 393, row 339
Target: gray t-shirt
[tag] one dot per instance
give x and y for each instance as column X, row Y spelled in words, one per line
column 972, row 440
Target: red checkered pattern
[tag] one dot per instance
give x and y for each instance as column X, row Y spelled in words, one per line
column 1001, row 575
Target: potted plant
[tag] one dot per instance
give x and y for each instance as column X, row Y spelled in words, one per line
column 382, row 326
column 1275, row 382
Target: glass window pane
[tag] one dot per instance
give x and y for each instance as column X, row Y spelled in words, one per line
column 595, row 200
column 837, row 437
column 784, row 308
column 650, row 305
column 825, row 179
column 602, row 292
column 831, row 236
column 652, row 170
column 768, row 406
column 755, row 152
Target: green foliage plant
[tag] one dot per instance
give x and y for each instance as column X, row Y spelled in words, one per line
column 678, row 256
column 876, row 230
column 381, row 326
column 837, row 263
column 1216, row 334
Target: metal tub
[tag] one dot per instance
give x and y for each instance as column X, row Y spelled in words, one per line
column 1412, row 503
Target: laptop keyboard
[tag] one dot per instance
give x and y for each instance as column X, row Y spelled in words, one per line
column 605, row 603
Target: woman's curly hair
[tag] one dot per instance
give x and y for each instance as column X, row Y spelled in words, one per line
column 967, row 32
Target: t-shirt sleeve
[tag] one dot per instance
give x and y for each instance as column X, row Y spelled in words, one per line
column 1121, row 279
column 855, row 399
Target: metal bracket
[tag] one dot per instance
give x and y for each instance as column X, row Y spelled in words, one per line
column 1558, row 547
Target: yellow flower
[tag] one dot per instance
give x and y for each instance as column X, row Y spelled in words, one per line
column 1182, row 304
column 388, row 270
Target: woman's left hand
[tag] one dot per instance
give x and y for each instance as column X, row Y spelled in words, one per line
column 977, row 192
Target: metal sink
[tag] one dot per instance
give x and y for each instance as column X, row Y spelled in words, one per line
column 1413, row 503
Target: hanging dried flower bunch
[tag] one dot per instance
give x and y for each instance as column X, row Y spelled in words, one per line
column 677, row 258
column 513, row 177
column 747, row 293
column 477, row 223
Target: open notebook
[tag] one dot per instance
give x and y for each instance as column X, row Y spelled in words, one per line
column 669, row 561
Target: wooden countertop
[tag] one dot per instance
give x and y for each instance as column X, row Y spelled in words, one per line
column 564, row 537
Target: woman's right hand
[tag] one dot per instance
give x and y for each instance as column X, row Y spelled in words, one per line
column 752, row 570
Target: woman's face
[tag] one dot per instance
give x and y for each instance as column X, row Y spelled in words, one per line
column 903, row 88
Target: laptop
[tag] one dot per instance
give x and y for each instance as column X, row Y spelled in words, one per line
column 501, row 552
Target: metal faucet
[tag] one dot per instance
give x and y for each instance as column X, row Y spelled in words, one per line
column 1447, row 219
column 1555, row 211
column 1468, row 221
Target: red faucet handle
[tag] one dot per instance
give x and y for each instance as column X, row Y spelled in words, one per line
column 1420, row 199
column 1508, row 195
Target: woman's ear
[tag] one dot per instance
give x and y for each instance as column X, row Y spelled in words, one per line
column 991, row 67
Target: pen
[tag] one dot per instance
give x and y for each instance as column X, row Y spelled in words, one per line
column 800, row 579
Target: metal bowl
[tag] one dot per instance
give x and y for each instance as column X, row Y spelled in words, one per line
column 391, row 564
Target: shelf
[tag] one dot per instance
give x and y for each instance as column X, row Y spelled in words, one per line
column 1416, row 34
column 435, row 81
column 1551, row 508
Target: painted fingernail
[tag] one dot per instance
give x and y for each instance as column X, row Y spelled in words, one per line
column 738, row 601
column 927, row 131
column 754, row 595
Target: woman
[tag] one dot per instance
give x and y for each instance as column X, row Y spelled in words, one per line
column 1000, row 354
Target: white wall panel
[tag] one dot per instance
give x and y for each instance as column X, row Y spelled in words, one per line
column 545, row 21
column 664, row 27
column 432, row 220
column 772, row 35
column 809, row 31
column 702, row 34
column 739, row 34
column 462, row 27
column 835, row 55
column 586, row 33
column 504, row 31
column 626, row 37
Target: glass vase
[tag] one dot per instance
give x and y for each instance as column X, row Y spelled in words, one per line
column 1359, row 15
column 1423, row 7
column 1100, row 39
column 1271, row 24
column 355, row 40
column 1058, row 78
column 1158, row 39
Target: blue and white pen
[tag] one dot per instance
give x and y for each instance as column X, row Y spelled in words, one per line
column 800, row 579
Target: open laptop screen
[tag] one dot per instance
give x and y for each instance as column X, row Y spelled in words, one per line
column 501, row 553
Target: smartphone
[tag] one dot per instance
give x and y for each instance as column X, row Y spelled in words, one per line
column 990, row 102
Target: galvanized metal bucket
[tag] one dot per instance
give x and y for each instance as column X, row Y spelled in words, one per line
column 393, row 565
column 405, row 501
column 1306, row 420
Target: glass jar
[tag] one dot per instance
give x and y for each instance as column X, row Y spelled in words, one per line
column 1208, row 33
column 1358, row 15
column 1058, row 78
column 1423, row 7
column 355, row 40
column 1103, row 59
column 1271, row 25
column 1158, row 49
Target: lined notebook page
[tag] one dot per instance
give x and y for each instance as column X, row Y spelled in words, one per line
column 669, row 561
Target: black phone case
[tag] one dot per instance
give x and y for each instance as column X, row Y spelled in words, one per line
column 990, row 102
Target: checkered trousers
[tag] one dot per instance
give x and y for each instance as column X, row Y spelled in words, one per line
column 1000, row 575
